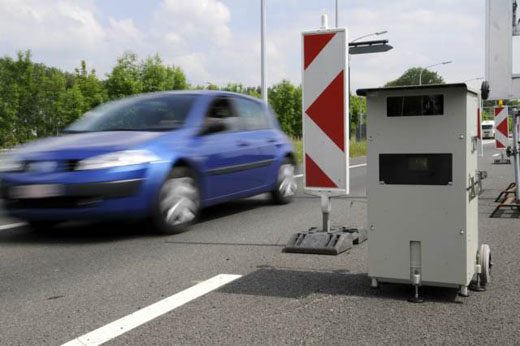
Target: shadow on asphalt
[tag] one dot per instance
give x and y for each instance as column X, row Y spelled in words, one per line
column 76, row 233
column 223, row 243
column 233, row 207
column 506, row 213
column 100, row 232
column 297, row 284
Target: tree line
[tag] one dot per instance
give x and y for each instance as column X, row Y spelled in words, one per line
column 37, row 100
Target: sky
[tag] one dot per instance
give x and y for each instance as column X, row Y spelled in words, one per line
column 218, row 41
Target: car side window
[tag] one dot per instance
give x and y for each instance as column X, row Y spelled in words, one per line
column 221, row 111
column 251, row 114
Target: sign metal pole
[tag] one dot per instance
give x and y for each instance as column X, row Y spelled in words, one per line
column 336, row 13
column 516, row 151
column 262, row 48
column 481, row 110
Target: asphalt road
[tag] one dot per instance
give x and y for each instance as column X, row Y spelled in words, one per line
column 59, row 286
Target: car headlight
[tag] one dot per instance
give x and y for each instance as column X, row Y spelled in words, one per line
column 9, row 163
column 117, row 159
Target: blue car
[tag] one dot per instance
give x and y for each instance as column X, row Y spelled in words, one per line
column 158, row 156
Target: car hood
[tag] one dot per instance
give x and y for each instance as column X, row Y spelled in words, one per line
column 79, row 145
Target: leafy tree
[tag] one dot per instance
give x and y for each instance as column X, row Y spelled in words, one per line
column 179, row 79
column 23, row 73
column 286, row 100
column 411, row 77
column 37, row 100
column 155, row 76
column 70, row 106
column 90, row 87
column 125, row 77
column 235, row 87
column 358, row 105
column 211, row 86
column 8, row 103
column 51, row 84
column 254, row 91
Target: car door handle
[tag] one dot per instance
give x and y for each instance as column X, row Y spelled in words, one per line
column 271, row 140
column 243, row 144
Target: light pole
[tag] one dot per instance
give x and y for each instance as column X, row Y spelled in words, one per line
column 359, row 38
column 472, row 79
column 372, row 34
column 336, row 13
column 262, row 49
column 427, row 67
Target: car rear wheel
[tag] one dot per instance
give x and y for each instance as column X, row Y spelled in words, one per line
column 286, row 183
column 178, row 202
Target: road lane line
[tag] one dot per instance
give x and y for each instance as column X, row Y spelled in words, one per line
column 355, row 166
column 13, row 225
column 129, row 322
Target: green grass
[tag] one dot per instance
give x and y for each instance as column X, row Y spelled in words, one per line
column 356, row 148
column 298, row 149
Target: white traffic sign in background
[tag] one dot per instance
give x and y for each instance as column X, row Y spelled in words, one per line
column 325, row 110
column 503, row 82
column 501, row 127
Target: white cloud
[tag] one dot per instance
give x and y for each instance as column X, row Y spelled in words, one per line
column 62, row 33
column 421, row 35
column 195, row 64
column 48, row 26
column 173, row 38
column 420, row 38
column 123, row 30
column 196, row 36
column 203, row 37
column 195, row 19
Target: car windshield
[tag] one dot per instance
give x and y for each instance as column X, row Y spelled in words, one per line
column 150, row 113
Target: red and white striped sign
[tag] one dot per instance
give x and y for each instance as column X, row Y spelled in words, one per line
column 325, row 110
column 501, row 127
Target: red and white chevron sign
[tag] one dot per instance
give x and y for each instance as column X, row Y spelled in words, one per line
column 501, row 127
column 325, row 110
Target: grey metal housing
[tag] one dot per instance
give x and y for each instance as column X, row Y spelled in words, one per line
column 418, row 229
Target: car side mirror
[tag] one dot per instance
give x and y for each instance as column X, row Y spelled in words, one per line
column 212, row 126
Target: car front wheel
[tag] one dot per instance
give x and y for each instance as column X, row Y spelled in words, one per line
column 286, row 183
column 178, row 202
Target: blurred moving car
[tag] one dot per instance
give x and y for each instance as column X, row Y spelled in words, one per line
column 488, row 129
column 161, row 156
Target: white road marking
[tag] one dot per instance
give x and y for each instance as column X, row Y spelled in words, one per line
column 13, row 225
column 355, row 166
column 129, row 322
column 360, row 165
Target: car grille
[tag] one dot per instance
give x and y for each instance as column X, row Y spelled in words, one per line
column 60, row 166
column 54, row 203
column 70, row 165
column 76, row 195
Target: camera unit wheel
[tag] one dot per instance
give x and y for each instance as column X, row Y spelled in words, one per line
column 485, row 264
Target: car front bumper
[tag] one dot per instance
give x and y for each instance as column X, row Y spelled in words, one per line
column 97, row 195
